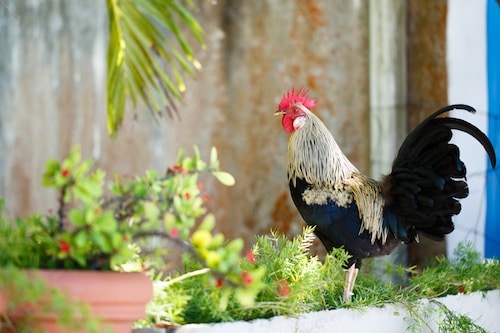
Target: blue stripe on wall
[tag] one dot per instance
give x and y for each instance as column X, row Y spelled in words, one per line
column 492, row 228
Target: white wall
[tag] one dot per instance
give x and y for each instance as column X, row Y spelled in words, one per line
column 467, row 84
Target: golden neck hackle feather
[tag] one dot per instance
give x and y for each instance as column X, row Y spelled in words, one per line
column 314, row 155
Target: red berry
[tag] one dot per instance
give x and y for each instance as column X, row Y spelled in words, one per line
column 64, row 246
column 177, row 168
column 250, row 256
column 219, row 283
column 174, row 232
column 283, row 288
column 247, row 278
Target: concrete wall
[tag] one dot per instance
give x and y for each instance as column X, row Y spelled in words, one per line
column 52, row 96
column 426, row 84
column 466, row 46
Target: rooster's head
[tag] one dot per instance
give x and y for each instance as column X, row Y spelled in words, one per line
column 294, row 107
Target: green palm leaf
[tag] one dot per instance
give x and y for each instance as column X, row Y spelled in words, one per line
column 148, row 54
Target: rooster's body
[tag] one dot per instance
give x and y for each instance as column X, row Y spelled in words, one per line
column 370, row 218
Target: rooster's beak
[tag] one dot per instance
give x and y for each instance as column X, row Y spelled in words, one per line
column 279, row 113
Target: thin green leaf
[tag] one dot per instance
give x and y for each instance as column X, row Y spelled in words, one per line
column 168, row 83
column 188, row 19
column 179, row 36
column 183, row 62
column 224, row 177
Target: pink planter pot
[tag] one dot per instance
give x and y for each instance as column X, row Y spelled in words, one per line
column 118, row 299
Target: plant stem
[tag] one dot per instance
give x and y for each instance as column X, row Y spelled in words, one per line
column 184, row 276
column 62, row 209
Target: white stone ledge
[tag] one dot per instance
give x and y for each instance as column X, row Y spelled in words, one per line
column 484, row 309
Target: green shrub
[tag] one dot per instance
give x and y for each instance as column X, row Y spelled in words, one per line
column 296, row 282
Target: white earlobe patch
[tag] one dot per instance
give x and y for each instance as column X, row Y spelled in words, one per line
column 299, row 122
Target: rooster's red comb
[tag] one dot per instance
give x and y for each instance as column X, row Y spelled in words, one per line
column 291, row 97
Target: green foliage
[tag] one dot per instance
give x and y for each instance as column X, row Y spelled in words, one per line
column 40, row 251
column 455, row 323
column 465, row 272
column 422, row 313
column 144, row 62
column 114, row 228
column 94, row 231
column 295, row 282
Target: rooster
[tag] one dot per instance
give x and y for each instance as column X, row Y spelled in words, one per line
column 369, row 218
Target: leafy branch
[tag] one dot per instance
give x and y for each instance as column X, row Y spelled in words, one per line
column 143, row 61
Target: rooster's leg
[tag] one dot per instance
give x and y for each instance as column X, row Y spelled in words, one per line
column 350, row 279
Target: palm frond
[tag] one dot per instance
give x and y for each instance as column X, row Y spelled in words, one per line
column 148, row 55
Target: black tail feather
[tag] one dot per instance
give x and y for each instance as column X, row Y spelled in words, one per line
column 462, row 125
column 428, row 177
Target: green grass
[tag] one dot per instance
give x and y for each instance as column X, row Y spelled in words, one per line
column 295, row 282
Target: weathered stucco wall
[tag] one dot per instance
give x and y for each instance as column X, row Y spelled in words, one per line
column 52, row 58
column 267, row 47
column 52, row 96
column 427, row 84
